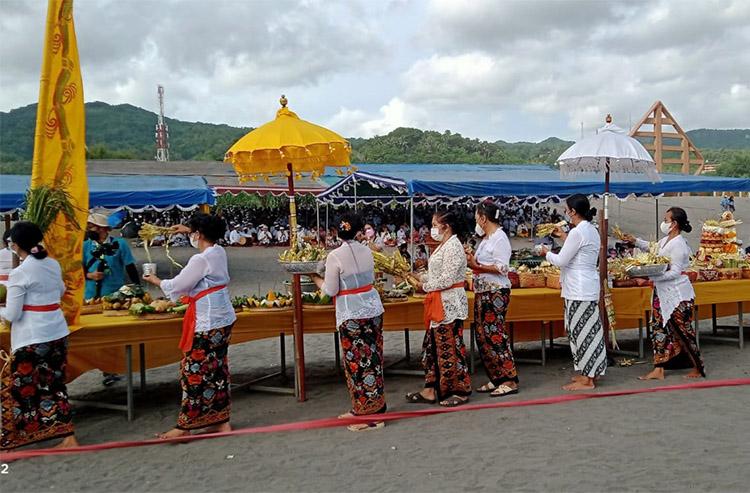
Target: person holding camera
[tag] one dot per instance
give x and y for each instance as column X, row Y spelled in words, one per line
column 105, row 259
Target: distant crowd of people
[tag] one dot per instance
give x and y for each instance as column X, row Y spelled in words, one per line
column 385, row 227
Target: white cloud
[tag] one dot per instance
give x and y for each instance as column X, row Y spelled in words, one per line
column 491, row 69
column 396, row 113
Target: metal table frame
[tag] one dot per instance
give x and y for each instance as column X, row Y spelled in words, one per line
column 740, row 328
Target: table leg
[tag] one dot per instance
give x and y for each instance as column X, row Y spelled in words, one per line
column 512, row 337
column 338, row 351
column 551, row 336
column 544, row 346
column 129, row 380
column 407, row 350
column 142, row 358
column 640, row 338
column 713, row 318
column 697, row 325
column 282, row 354
column 740, row 325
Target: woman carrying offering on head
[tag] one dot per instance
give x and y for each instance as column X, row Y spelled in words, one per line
column 349, row 278
column 672, row 332
column 446, row 370
column 491, row 299
column 34, row 399
column 580, row 290
column 206, row 329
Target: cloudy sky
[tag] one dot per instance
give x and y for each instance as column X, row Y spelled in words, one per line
column 511, row 70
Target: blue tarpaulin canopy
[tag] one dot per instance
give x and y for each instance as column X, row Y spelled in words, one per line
column 475, row 180
column 126, row 191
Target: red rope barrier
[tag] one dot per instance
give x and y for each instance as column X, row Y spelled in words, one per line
column 333, row 422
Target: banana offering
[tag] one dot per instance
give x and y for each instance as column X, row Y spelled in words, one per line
column 546, row 229
column 395, row 265
column 307, row 253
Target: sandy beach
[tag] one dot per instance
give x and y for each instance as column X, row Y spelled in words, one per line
column 689, row 440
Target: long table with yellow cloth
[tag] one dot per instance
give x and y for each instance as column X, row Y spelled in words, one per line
column 100, row 341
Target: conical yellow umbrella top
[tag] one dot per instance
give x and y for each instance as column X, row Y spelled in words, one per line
column 270, row 148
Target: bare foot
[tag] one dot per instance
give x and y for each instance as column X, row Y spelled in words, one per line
column 694, row 373
column 585, row 384
column 579, row 378
column 173, row 433
column 68, row 442
column 222, row 428
column 375, row 425
column 655, row 374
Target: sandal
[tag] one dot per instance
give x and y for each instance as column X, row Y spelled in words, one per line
column 504, row 390
column 366, row 426
column 488, row 387
column 418, row 398
column 454, row 401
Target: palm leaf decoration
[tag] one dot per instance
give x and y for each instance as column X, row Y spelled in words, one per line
column 44, row 204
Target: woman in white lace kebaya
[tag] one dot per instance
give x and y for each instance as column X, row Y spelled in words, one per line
column 446, row 307
column 672, row 332
column 349, row 278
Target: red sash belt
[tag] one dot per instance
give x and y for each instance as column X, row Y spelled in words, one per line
column 41, row 308
column 359, row 290
column 433, row 305
column 4, row 277
column 188, row 323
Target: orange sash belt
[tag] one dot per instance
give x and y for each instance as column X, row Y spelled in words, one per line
column 188, row 323
column 359, row 290
column 433, row 305
column 4, row 277
column 41, row 308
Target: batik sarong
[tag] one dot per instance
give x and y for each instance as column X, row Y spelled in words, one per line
column 586, row 337
column 493, row 340
column 444, row 360
column 204, row 378
column 33, row 397
column 675, row 345
column 362, row 345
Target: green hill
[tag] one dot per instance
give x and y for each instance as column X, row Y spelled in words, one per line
column 707, row 138
column 121, row 131
column 127, row 132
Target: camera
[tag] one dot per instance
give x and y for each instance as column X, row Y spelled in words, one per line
column 101, row 249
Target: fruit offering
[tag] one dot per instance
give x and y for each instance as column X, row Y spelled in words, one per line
column 719, row 237
column 546, row 229
column 126, row 296
column 307, row 253
column 395, row 265
column 316, row 298
column 160, row 306
column 271, row 300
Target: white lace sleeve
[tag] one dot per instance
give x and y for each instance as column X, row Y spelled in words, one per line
column 452, row 269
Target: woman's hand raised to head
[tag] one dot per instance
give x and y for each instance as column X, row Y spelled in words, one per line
column 180, row 228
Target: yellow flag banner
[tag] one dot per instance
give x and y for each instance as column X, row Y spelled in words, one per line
column 59, row 149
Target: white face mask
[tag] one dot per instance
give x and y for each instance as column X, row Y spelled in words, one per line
column 436, row 234
column 193, row 241
column 665, row 227
column 478, row 230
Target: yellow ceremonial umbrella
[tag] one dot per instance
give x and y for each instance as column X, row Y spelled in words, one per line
column 289, row 146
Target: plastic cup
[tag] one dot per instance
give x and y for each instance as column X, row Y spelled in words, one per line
column 149, row 269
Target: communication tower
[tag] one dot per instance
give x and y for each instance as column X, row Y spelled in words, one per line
column 162, row 131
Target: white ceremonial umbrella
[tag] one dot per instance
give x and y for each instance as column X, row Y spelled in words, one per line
column 611, row 150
